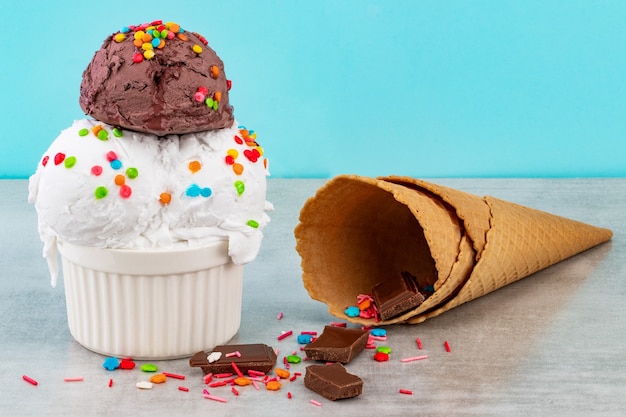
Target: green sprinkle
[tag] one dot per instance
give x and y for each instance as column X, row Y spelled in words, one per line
column 83, row 132
column 293, row 359
column 240, row 187
column 209, row 102
column 132, row 173
column 148, row 367
column 383, row 349
column 103, row 135
column 70, row 162
column 253, row 223
column 101, row 192
column 117, row 132
column 215, row 103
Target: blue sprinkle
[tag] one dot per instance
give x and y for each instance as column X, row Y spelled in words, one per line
column 352, row 311
column 305, row 339
column 125, row 29
column 111, row 364
column 206, row 192
column 116, row 164
column 156, row 42
column 378, row 332
column 193, row 190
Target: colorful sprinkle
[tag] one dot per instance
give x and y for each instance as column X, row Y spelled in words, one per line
column 294, row 359
column 273, row 385
column 132, row 173
column 111, row 156
column 83, row 132
column 158, row 379
column 125, row 191
column 406, row 391
column 44, row 161
column 58, row 158
column 414, row 358
column 149, row 367
column 352, row 311
column 165, row 198
column 29, row 380
column 117, row 132
column 96, row 170
column 253, row 223
column 446, row 345
column 240, row 187
column 119, row 37
column 116, row 164
column 70, row 162
column 194, row 166
column 195, row 190
column 119, row 180
column 197, row 49
column 237, row 168
column 111, row 364
column 101, row 192
column 103, row 135
column 215, row 71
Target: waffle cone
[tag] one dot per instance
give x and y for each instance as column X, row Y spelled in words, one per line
column 357, row 232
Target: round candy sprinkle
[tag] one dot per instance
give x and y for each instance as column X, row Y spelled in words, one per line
column 111, row 156
column 352, row 311
column 101, row 192
column 240, row 187
column 217, row 96
column 70, row 162
column 206, row 192
column 103, row 135
column 83, row 132
column 253, row 223
column 193, row 190
column 378, row 332
column 117, row 132
column 384, row 349
column 132, row 173
column 229, row 160
column 119, row 180
column 137, row 58
column 294, row 359
column 194, row 166
column 165, row 198
column 158, row 379
column 199, row 97
column 197, row 49
column 238, row 169
column 144, row 385
column 305, row 339
column 44, row 161
column 96, row 170
column 149, row 367
column 273, row 385
column 381, row 357
column 58, row 158
column 119, row 37
column 148, row 54
column 116, row 164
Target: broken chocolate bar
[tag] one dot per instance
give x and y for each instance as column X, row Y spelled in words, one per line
column 394, row 297
column 332, row 381
column 337, row 344
column 257, row 357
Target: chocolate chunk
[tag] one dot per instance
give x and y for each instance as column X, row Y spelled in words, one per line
column 332, row 381
column 394, row 297
column 258, row 357
column 337, row 344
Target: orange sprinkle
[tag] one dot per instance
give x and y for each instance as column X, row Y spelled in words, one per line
column 282, row 373
column 138, row 43
column 165, row 198
column 120, row 180
column 161, row 44
column 215, row 71
column 96, row 129
column 146, row 37
column 273, row 386
column 242, row 381
column 174, row 27
column 364, row 305
column 182, row 37
column 195, row 166
column 158, row 379
column 238, row 168
column 265, row 163
column 217, row 96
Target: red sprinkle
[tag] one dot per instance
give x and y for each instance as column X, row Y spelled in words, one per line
column 176, row 376
column 29, row 380
column 236, row 368
column 58, row 158
column 110, row 382
column 238, row 140
column 181, row 388
column 137, row 58
column 447, row 346
column 252, row 372
column 289, row 395
column 234, row 391
column 419, row 343
column 284, row 335
column 223, row 375
column 44, row 161
column 381, row 357
column 406, row 391
column 218, row 383
column 229, row 84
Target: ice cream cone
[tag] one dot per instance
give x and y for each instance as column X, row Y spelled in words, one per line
column 357, row 232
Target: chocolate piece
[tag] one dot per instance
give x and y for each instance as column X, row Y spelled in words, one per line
column 332, row 381
column 258, row 357
column 396, row 297
column 337, row 344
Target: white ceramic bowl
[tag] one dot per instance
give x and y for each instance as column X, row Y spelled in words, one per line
column 151, row 304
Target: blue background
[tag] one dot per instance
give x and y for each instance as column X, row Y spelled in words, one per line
column 421, row 88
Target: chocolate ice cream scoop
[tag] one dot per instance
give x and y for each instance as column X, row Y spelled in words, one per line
column 157, row 78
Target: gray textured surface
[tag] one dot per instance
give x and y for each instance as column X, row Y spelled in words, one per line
column 550, row 344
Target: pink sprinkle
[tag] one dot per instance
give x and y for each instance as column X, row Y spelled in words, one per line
column 111, row 156
column 447, row 346
column 29, row 380
column 235, row 353
column 370, row 346
column 185, row 389
column 280, row 316
column 234, row 391
column 311, row 333
column 224, row 375
column 337, row 324
column 199, row 97
column 205, row 391
column 255, row 385
column 406, row 391
column 236, row 368
column 419, row 343
column 176, row 376
column 215, row 398
column 285, row 334
column 317, row 403
column 414, row 358
column 207, row 378
column 73, row 379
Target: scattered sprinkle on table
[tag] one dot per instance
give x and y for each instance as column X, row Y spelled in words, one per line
column 30, row 380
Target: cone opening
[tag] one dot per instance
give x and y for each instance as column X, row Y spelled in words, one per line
column 352, row 243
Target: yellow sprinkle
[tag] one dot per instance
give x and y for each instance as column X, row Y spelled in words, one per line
column 258, row 148
column 197, row 49
column 139, row 34
column 146, row 46
column 233, row 153
column 149, row 54
column 119, row 37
